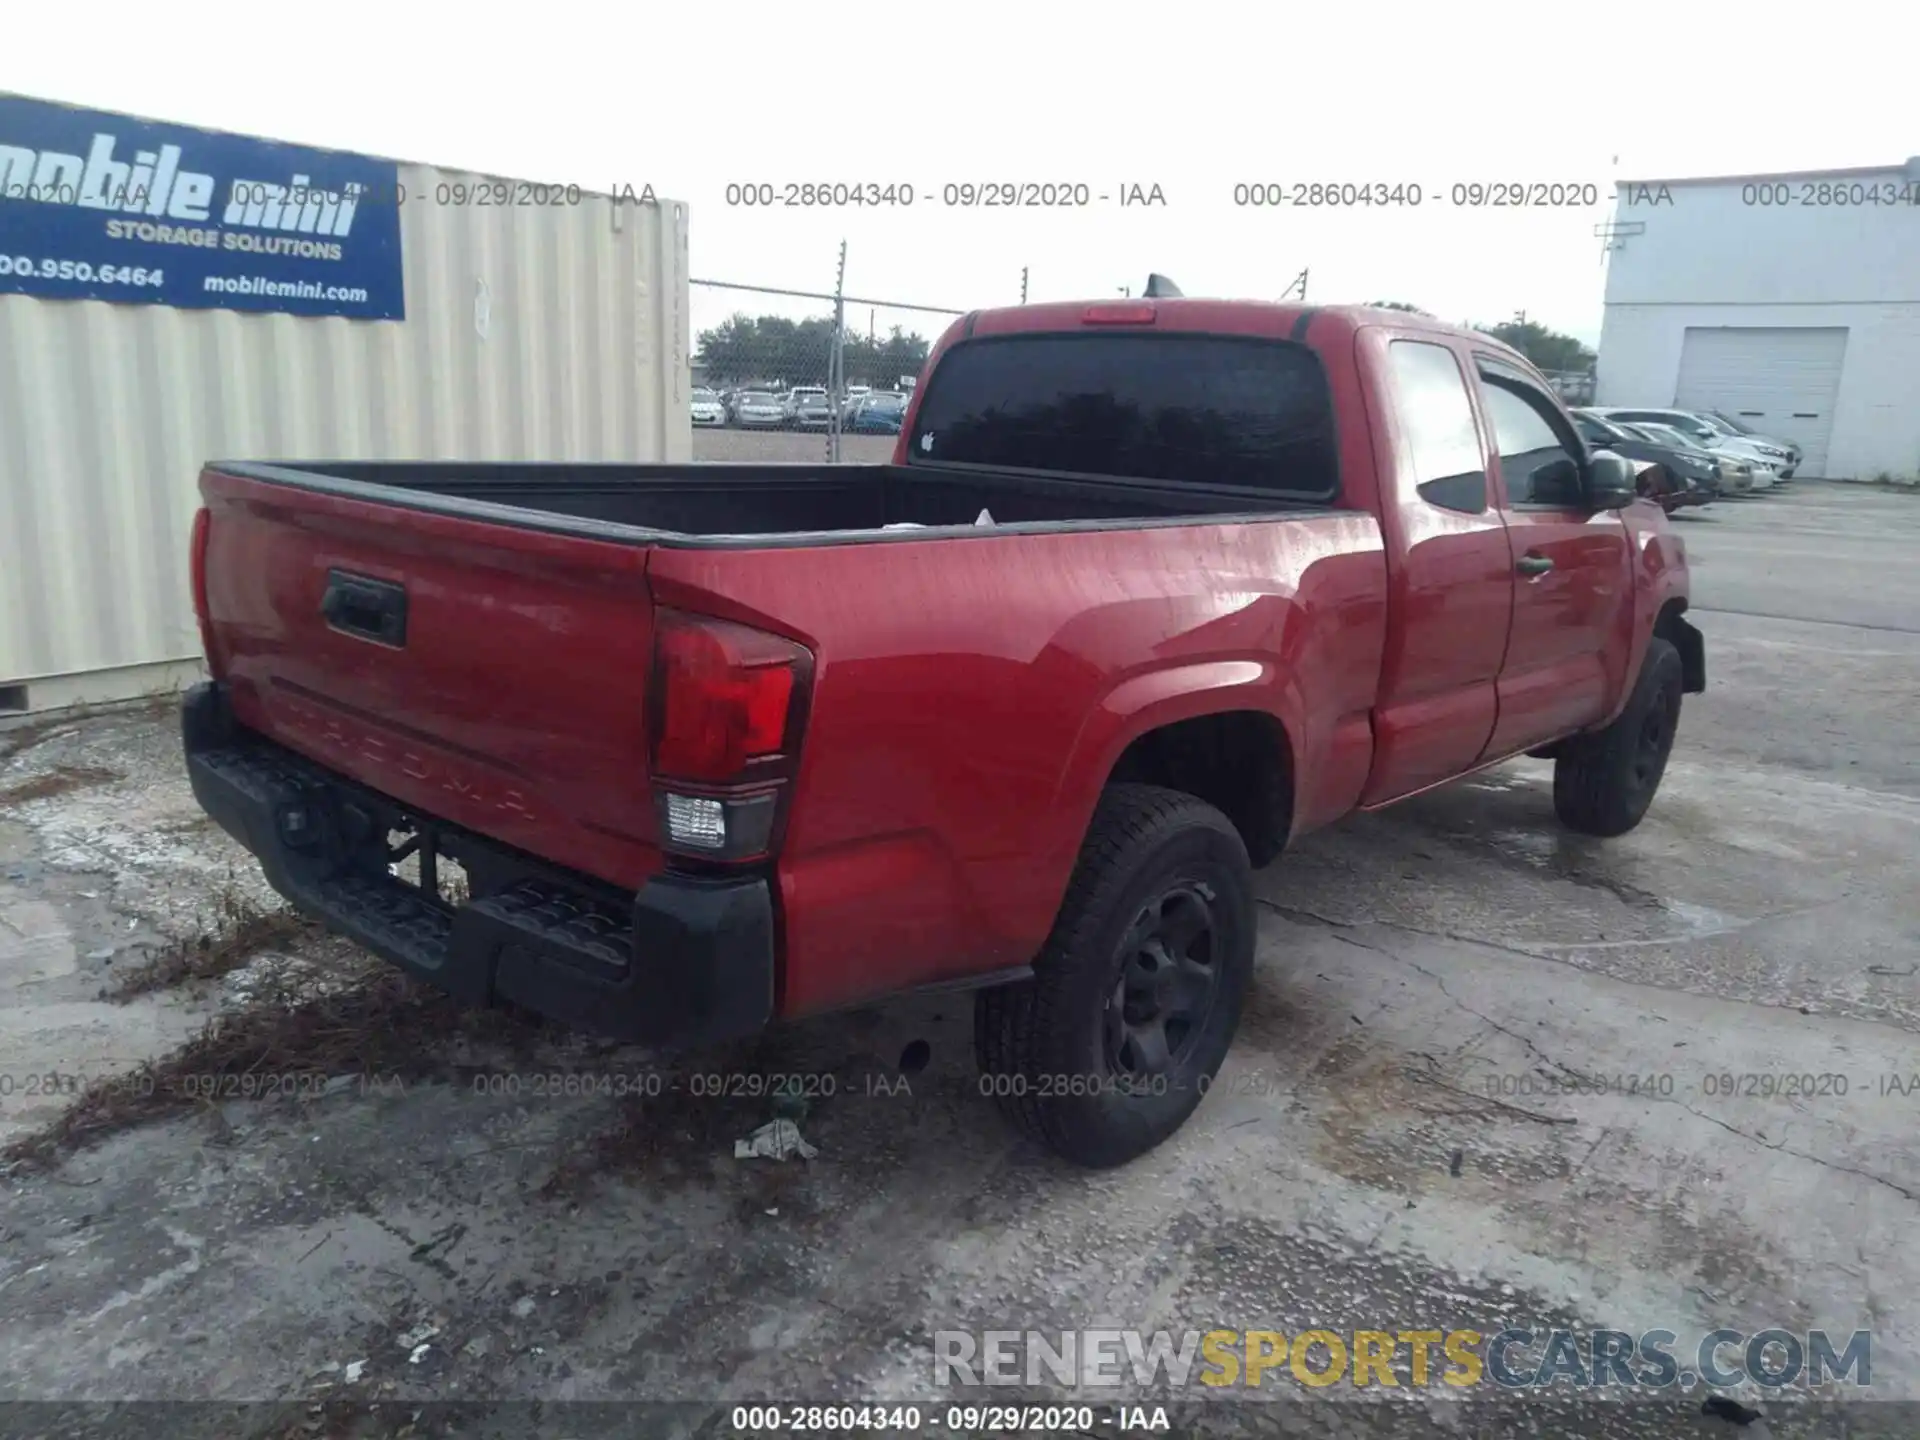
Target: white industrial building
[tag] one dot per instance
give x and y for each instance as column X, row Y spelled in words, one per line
column 1789, row 301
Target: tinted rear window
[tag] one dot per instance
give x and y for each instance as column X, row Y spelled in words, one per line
column 1180, row 408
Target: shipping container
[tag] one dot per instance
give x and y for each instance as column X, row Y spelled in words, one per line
column 530, row 322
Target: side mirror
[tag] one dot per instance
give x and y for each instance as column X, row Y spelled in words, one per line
column 1611, row 482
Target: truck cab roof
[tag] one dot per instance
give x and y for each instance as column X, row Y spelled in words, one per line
column 1264, row 318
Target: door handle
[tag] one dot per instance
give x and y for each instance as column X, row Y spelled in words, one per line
column 371, row 609
column 1534, row 564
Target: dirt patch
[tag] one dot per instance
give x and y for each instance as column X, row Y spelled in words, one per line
column 385, row 1026
column 241, row 929
column 667, row 1142
column 666, row 1136
column 61, row 780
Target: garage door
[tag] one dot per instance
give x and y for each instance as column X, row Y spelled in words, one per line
column 1778, row 381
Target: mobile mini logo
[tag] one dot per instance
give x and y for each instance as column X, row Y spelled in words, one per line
column 153, row 183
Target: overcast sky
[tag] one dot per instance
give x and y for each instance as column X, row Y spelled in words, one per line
column 1193, row 98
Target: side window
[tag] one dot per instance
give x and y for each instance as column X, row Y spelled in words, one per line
column 1539, row 462
column 1430, row 394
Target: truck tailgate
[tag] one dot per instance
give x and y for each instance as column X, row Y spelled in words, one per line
column 489, row 675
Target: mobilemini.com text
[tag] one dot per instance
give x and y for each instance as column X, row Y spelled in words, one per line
column 1510, row 1358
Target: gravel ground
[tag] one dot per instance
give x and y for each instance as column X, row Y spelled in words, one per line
column 1478, row 1083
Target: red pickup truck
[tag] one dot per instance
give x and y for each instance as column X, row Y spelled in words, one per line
column 1149, row 590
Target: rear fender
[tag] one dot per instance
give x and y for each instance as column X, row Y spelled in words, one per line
column 1149, row 701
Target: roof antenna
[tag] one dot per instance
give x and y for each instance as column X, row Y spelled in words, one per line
column 1159, row 287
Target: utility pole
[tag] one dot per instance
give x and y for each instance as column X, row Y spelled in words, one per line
column 837, row 359
column 1023, row 284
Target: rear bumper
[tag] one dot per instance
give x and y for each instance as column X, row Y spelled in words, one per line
column 689, row 960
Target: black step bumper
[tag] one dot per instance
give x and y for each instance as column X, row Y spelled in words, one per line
column 689, row 960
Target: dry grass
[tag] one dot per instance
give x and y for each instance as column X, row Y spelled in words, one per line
column 61, row 780
column 241, row 929
column 382, row 1025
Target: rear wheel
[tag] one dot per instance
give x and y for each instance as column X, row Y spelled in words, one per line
column 1137, row 993
column 1604, row 783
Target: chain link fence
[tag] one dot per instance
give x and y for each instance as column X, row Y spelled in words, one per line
column 821, row 375
column 799, row 375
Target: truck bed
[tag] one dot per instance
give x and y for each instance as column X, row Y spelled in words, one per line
column 721, row 504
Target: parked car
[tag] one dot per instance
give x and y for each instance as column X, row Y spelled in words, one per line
column 1732, row 476
column 855, row 394
column 707, row 409
column 876, row 414
column 1773, row 458
column 812, row 410
column 1689, row 494
column 1669, row 491
column 798, row 396
column 1652, row 481
column 832, row 738
column 1685, row 462
column 1757, row 476
column 757, row 410
column 1734, row 425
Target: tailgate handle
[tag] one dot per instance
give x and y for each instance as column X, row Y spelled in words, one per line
column 371, row 609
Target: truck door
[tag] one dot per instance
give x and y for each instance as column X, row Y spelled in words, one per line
column 1570, row 566
column 1449, row 569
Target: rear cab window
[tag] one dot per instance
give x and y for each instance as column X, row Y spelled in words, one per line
column 1430, row 395
column 1173, row 408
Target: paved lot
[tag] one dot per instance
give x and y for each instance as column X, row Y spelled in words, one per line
column 788, row 445
column 1407, row 1136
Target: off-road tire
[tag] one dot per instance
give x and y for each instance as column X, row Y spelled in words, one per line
column 1603, row 783
column 1043, row 1045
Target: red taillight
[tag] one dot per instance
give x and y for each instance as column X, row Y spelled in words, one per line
column 1117, row 314
column 197, row 571
column 727, row 709
column 725, row 697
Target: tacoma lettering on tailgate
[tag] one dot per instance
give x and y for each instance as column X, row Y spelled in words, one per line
column 334, row 732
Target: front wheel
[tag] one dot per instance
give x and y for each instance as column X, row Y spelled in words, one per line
column 1137, row 992
column 1604, row 782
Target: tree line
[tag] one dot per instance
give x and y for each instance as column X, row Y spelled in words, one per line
column 774, row 350
column 1547, row 350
